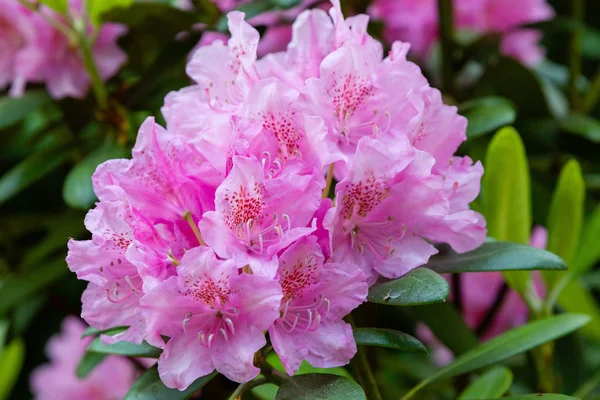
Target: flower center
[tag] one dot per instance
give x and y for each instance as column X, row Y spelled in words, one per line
column 362, row 197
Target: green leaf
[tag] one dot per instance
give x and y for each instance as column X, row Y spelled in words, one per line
column 77, row 189
column 320, row 387
column 388, row 338
column 493, row 383
column 420, row 286
column 58, row 5
column 588, row 252
column 507, row 197
column 487, row 114
column 507, row 345
column 33, row 168
column 124, row 348
column 269, row 391
column 91, row 331
column 540, row 396
column 582, row 125
column 14, row 109
column 11, row 362
column 98, row 7
column 566, row 215
column 496, row 256
column 15, row 289
column 251, row 9
column 88, row 362
column 150, row 387
column 446, row 324
column 576, row 298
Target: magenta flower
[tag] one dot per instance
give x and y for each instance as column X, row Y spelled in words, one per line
column 316, row 296
column 257, row 217
column 57, row 380
column 214, row 316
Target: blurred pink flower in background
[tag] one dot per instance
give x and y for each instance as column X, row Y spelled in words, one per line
column 33, row 49
column 416, row 22
column 57, row 380
column 479, row 291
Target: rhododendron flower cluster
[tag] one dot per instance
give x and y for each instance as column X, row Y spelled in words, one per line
column 219, row 231
column 34, row 49
column 417, row 22
column 56, row 380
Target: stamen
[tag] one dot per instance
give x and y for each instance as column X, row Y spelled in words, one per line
column 130, row 284
column 287, row 219
column 223, row 333
column 186, row 320
column 229, row 323
column 211, row 338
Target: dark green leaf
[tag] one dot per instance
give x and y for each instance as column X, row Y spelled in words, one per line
column 149, row 387
column 251, row 9
column 125, row 349
column 487, row 114
column 98, row 7
column 446, row 324
column 496, row 256
column 88, row 362
column 582, row 125
column 388, row 338
column 507, row 196
column 420, row 286
column 320, row 387
column 507, row 345
column 11, row 362
column 30, row 170
column 77, row 189
column 14, row 109
column 15, row 289
column 493, row 383
column 146, row 17
column 58, row 5
column 540, row 396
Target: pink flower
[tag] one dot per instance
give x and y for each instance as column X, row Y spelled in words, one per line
column 115, row 286
column 417, row 22
column 257, row 217
column 21, row 52
column 57, row 380
column 316, row 296
column 214, row 316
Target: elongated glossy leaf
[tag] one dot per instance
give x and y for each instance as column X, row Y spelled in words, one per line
column 582, row 125
column 507, row 345
column 576, row 298
column 16, row 289
column 420, row 286
column 150, row 387
column 446, row 324
column 566, row 212
column 588, row 252
column 540, row 396
column 125, row 349
column 507, row 196
column 88, row 362
column 496, row 256
column 11, row 362
column 91, row 331
column 30, row 170
column 388, row 338
column 493, row 383
column 77, row 189
column 320, row 387
column 487, row 114
column 14, row 109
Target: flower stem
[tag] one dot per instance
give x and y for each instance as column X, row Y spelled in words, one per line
column 577, row 10
column 190, row 220
column 446, row 22
column 593, row 94
column 237, row 394
column 368, row 379
column 328, row 180
column 97, row 83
